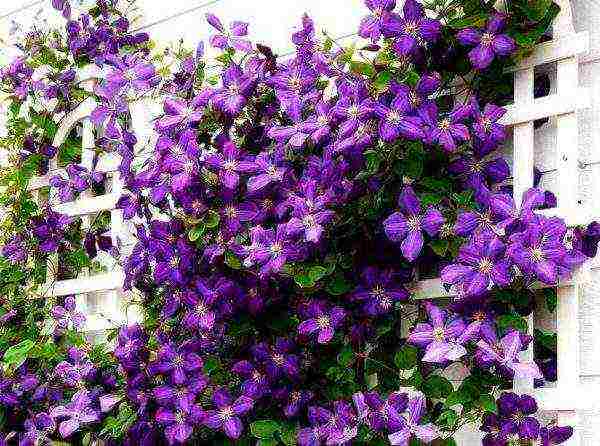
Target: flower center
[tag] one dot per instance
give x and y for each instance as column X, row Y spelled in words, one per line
column 179, row 417
column 479, row 316
column 174, row 262
column 323, row 322
column 414, row 98
column 485, row 266
column 322, row 120
column 476, row 166
column 234, row 89
column 439, row 334
column 201, row 308
column 197, row 205
column 230, row 211
column 393, row 116
column 256, row 375
column 486, row 122
column 230, row 165
column 353, row 111
column 309, row 221
column 411, row 27
column 537, row 255
column 444, row 125
column 276, row 249
column 414, row 223
column 188, row 167
column 487, row 39
column 294, row 397
column 272, row 171
column 226, row 413
column 278, row 359
column 295, row 83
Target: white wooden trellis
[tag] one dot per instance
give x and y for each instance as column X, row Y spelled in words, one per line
column 568, row 396
column 102, row 291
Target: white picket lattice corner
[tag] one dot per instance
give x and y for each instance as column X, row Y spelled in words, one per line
column 102, row 291
column 568, row 396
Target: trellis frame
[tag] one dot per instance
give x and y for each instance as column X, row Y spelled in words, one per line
column 107, row 285
column 569, row 396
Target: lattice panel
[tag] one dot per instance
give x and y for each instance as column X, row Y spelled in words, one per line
column 100, row 295
column 569, row 396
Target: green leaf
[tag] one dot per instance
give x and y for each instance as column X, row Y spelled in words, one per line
column 440, row 246
column 447, row 418
column 196, row 232
column 264, row 429
column 16, row 354
column 406, row 358
column 232, row 261
column 338, row 285
column 472, row 21
column 303, row 280
column 212, row 219
column 437, row 386
column 362, row 68
column 456, row 397
column 488, row 403
column 550, row 298
column 382, row 80
column 317, row 272
column 507, row 321
column 346, row 356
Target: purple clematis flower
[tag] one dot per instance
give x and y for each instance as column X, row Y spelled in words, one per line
column 407, row 225
column 442, row 338
column 539, row 251
column 230, row 164
column 256, row 383
column 480, row 264
column 395, row 121
column 486, row 127
column 180, row 112
column 385, row 414
column 515, row 416
column 228, row 413
column 131, row 74
column 322, row 321
column 237, row 86
column 176, row 363
column 488, row 43
column 66, row 316
column 309, row 212
column 447, row 131
column 50, row 230
column 269, row 249
column 504, row 354
column 378, row 291
column 269, row 170
column 233, row 38
column 426, row 432
column 278, row 359
column 372, row 24
column 77, row 413
column 38, row 430
column 412, row 30
column 179, row 424
column 15, row 249
column 181, row 396
column 555, row 435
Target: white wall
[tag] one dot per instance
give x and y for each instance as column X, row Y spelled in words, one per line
column 271, row 22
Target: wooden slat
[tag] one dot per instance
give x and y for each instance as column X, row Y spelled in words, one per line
column 100, row 282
